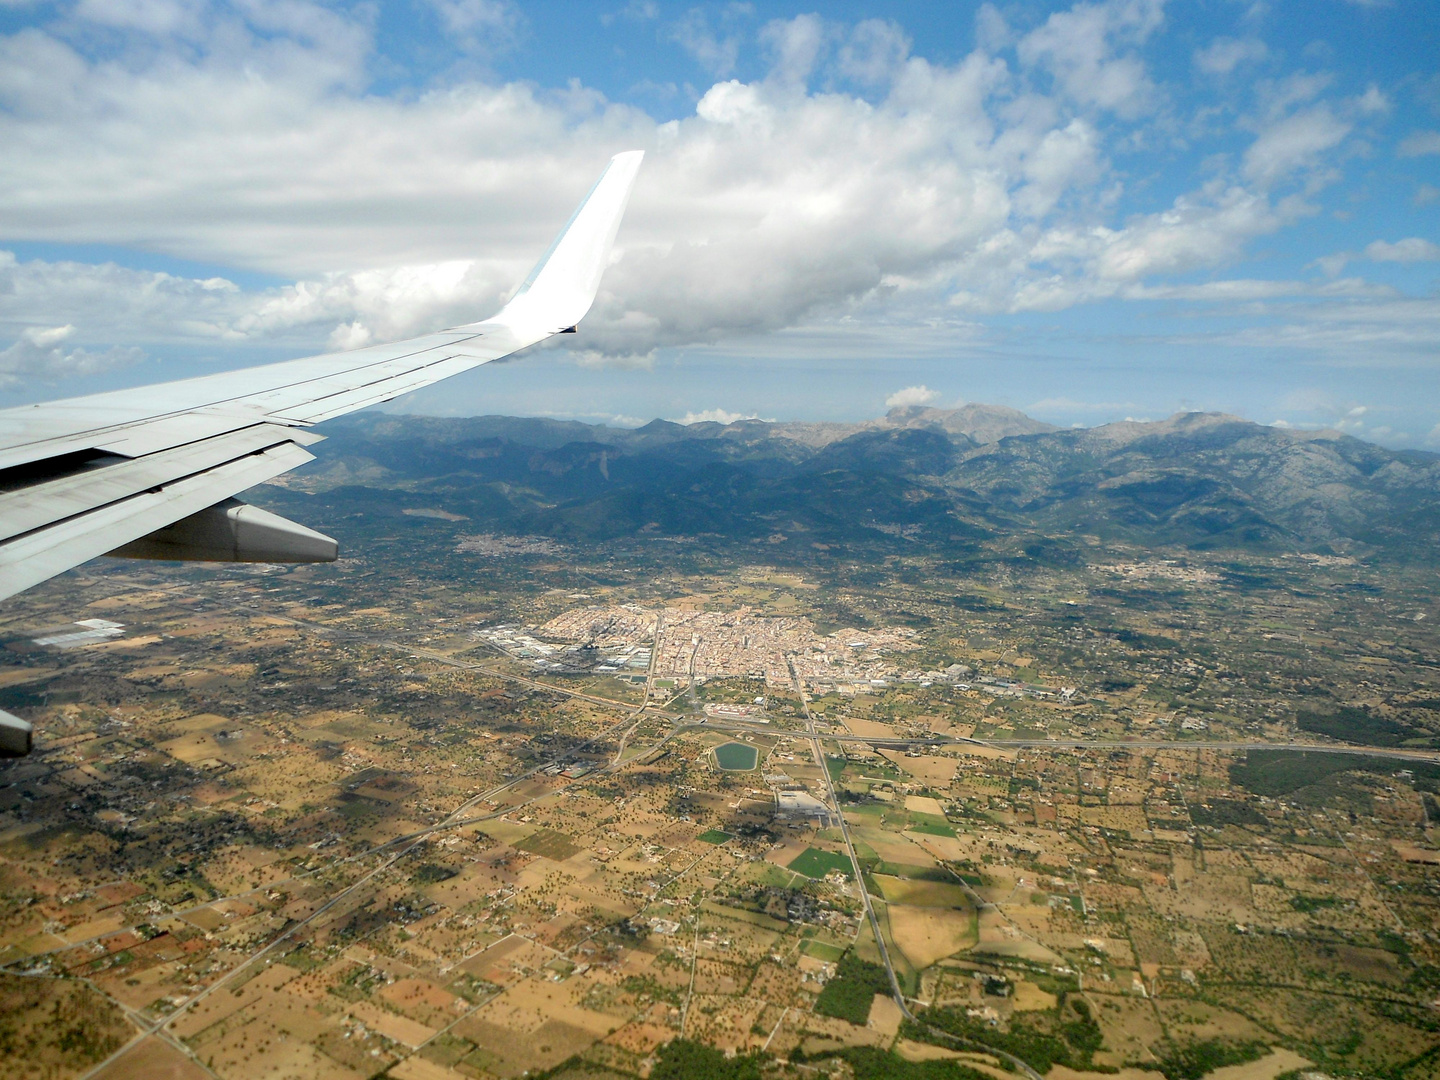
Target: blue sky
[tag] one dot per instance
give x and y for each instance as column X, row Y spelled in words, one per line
column 1088, row 211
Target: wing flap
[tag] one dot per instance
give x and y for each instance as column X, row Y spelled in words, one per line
column 100, row 484
column 88, row 475
column 42, row 553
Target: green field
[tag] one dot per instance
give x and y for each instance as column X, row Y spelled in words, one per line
column 930, row 825
column 821, row 950
column 715, row 836
column 549, row 843
column 737, row 757
column 814, row 863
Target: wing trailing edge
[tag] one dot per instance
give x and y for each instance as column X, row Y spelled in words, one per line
column 114, row 473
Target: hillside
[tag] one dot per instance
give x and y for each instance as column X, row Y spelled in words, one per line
column 937, row 478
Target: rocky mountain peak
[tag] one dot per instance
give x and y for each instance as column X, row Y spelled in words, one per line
column 979, row 422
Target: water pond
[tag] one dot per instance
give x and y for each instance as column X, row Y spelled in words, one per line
column 737, row 757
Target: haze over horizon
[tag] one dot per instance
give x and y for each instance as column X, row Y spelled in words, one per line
column 1087, row 212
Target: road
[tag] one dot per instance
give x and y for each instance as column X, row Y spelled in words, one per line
column 1178, row 744
column 399, row 847
column 896, row 992
column 937, row 741
column 838, row 815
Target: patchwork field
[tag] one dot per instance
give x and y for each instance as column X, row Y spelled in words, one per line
column 295, row 825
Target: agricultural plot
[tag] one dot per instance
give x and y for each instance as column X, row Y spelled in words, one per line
column 816, row 863
column 280, row 799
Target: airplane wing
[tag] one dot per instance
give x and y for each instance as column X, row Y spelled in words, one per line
column 152, row 472
column 128, row 472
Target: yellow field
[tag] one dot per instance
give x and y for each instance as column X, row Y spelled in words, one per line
column 928, row 767
column 926, row 934
column 934, row 894
column 1030, row 998
column 923, row 804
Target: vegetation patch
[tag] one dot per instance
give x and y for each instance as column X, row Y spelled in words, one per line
column 647, row 988
column 870, row 1063
column 1074, row 1042
column 849, row 994
column 548, row 843
column 1308, row 904
column 685, row 1059
column 930, row 825
column 1196, row 1060
column 1273, row 773
column 430, row 873
column 911, row 872
column 1349, row 724
column 53, row 1027
column 921, row 893
column 1219, row 812
column 302, row 958
column 814, row 863
column 715, row 836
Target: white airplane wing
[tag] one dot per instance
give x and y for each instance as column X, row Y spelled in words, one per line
column 151, row 472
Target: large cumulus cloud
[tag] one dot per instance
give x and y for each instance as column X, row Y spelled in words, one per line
column 855, row 178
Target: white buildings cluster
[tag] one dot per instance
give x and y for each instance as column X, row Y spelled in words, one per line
column 689, row 643
column 713, row 644
column 613, row 657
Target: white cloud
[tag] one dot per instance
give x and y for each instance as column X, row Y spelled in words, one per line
column 347, row 336
column 468, row 16
column 1054, row 405
column 715, row 416
column 992, row 33
column 1292, row 144
column 1079, row 48
column 482, row 27
column 161, row 17
column 1066, row 159
column 1411, row 249
column 595, row 358
column 795, row 47
column 715, row 53
column 875, row 52
column 1194, row 232
column 953, row 187
column 44, row 353
column 1420, row 144
column 1244, row 289
column 111, row 303
column 911, row 395
column 1224, row 55
column 1374, row 333
column 1372, row 102
column 639, row 10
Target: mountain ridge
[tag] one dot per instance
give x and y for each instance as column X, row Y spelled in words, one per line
column 939, row 477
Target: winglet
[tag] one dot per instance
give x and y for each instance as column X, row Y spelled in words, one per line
column 561, row 288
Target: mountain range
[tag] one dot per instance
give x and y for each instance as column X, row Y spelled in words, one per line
column 938, row 478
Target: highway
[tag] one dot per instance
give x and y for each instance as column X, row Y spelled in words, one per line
column 896, row 992
column 685, row 722
column 917, row 742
